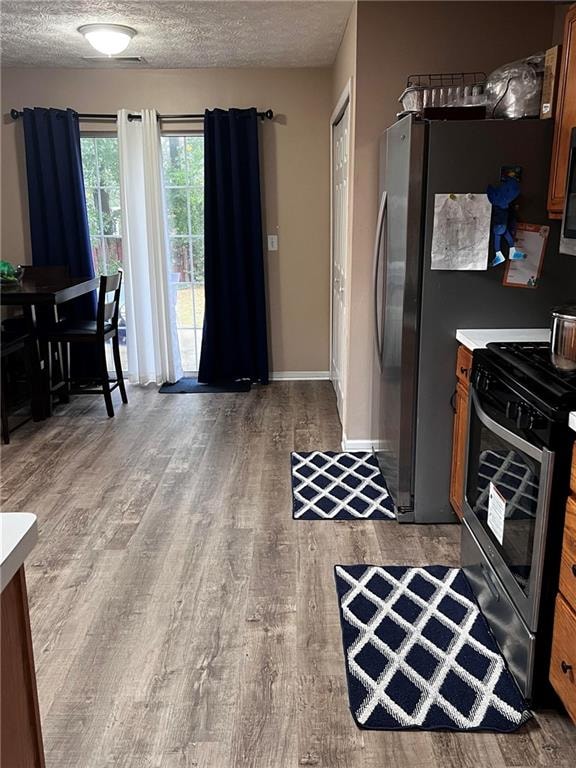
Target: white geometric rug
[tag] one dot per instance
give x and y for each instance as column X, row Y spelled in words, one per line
column 339, row 486
column 419, row 653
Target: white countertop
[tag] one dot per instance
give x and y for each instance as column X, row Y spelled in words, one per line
column 477, row 338
column 18, row 535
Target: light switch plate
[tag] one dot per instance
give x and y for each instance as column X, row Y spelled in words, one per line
column 272, row 242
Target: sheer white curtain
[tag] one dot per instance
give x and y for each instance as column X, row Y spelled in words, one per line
column 152, row 339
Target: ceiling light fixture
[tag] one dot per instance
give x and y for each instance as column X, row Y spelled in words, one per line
column 109, row 39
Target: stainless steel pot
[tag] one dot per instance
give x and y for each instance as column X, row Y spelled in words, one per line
column 563, row 338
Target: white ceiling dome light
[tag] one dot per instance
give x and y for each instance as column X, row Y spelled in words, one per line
column 109, row 39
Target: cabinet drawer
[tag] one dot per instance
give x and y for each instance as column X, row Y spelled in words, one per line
column 463, row 365
column 568, row 563
column 563, row 662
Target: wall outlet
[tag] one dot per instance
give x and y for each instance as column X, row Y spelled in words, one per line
column 272, row 242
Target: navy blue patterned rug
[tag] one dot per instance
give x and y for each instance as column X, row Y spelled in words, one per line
column 339, row 486
column 420, row 655
column 189, row 385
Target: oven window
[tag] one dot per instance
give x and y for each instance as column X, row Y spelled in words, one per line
column 516, row 478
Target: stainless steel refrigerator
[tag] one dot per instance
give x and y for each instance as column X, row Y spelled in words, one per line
column 417, row 310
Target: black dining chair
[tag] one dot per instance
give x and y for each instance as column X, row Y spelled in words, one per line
column 11, row 344
column 97, row 333
column 43, row 317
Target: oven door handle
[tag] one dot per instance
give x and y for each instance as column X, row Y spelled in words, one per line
column 505, row 434
column 540, row 533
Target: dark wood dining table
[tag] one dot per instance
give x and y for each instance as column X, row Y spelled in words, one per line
column 36, row 296
column 30, row 292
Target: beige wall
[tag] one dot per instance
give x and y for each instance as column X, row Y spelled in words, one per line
column 344, row 67
column 295, row 150
column 396, row 39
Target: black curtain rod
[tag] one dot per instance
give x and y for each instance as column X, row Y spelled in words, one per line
column 267, row 115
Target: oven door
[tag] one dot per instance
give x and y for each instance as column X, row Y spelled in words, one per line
column 507, row 499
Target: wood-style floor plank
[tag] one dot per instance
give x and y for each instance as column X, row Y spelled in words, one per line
column 182, row 619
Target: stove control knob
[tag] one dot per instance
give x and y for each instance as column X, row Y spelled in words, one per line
column 537, row 421
column 524, row 417
column 483, row 381
column 520, row 417
column 511, row 409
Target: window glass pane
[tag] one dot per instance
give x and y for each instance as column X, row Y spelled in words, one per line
column 198, row 289
column 198, row 259
column 195, row 154
column 92, row 208
column 174, row 157
column 177, row 212
column 108, row 170
column 89, row 162
column 110, row 202
column 99, row 255
column 113, row 246
column 184, row 306
column 102, row 186
column 180, row 259
column 196, row 198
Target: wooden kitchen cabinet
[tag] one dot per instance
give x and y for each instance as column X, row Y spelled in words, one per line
column 565, row 118
column 563, row 659
column 21, row 744
column 460, row 429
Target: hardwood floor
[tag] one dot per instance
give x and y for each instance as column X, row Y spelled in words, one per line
column 182, row 618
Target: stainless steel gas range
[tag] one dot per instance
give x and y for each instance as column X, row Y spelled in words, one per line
column 517, row 480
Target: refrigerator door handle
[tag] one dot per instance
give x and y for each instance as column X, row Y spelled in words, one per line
column 382, row 216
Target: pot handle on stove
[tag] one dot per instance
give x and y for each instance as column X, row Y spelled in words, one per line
column 502, row 432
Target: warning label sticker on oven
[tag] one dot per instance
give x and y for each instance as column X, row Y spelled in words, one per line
column 496, row 512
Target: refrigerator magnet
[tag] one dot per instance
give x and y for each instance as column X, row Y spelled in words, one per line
column 531, row 240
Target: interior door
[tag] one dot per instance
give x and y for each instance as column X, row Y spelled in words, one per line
column 340, row 155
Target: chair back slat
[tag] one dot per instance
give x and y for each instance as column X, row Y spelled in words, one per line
column 109, row 310
column 109, row 301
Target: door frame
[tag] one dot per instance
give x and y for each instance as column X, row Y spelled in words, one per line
column 345, row 100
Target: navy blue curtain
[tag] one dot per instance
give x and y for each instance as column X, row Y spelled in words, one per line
column 234, row 340
column 56, row 198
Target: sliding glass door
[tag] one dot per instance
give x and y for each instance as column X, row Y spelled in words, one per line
column 183, row 158
column 102, row 184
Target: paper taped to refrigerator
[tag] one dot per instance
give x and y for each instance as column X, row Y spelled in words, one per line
column 461, row 236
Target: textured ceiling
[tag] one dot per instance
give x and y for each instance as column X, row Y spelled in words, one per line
column 196, row 33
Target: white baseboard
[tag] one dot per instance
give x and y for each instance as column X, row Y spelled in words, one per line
column 356, row 445
column 300, row 376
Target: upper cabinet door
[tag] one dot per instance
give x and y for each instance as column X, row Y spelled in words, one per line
column 565, row 118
